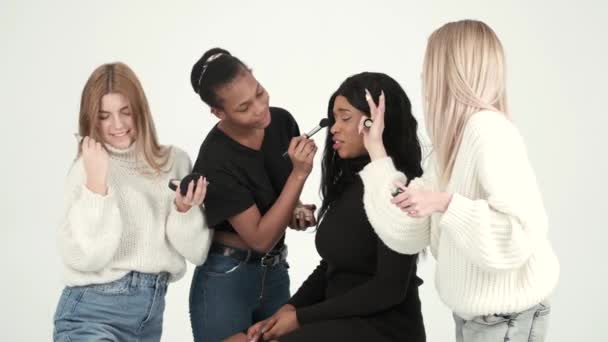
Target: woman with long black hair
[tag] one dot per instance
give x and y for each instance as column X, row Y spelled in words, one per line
column 361, row 290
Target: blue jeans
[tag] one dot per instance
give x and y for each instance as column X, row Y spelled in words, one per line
column 128, row 309
column 526, row 326
column 224, row 296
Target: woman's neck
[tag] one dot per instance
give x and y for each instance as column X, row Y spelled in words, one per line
column 250, row 137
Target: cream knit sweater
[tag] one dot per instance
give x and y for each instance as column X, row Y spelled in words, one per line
column 135, row 227
column 491, row 245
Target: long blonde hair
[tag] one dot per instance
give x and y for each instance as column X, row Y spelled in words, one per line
column 119, row 78
column 463, row 73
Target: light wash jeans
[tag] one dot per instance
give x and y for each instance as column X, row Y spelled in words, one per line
column 526, row 326
column 128, row 309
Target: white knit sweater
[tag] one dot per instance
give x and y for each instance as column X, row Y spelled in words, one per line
column 491, row 245
column 135, row 227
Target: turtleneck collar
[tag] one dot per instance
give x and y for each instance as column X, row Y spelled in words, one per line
column 129, row 154
column 351, row 167
column 357, row 164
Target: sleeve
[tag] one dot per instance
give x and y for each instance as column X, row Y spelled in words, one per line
column 188, row 232
column 501, row 231
column 312, row 290
column 397, row 230
column 91, row 227
column 226, row 196
column 289, row 122
column 294, row 129
column 387, row 288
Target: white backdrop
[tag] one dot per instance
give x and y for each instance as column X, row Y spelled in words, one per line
column 300, row 51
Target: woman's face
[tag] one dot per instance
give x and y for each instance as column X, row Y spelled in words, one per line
column 244, row 102
column 116, row 123
column 348, row 143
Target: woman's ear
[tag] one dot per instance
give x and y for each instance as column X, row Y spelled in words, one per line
column 220, row 114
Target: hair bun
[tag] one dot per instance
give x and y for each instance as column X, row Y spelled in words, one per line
column 199, row 66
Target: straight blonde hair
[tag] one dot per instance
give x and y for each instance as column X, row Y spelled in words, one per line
column 119, row 78
column 463, row 73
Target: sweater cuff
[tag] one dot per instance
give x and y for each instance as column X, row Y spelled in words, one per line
column 189, row 234
column 94, row 201
column 100, row 210
column 378, row 168
column 185, row 219
column 396, row 229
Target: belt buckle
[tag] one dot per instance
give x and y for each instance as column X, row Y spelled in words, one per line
column 274, row 257
column 270, row 260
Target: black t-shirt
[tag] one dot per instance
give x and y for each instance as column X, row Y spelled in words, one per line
column 239, row 176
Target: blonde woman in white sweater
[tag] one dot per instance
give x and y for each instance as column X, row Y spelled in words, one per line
column 124, row 235
column 478, row 205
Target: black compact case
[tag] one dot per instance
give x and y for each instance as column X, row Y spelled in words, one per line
column 183, row 184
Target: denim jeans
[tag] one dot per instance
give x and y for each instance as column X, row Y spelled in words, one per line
column 526, row 326
column 128, row 309
column 224, row 296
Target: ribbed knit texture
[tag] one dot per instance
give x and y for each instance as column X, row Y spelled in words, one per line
column 491, row 245
column 135, row 227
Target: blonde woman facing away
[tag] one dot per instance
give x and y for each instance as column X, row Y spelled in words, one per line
column 477, row 205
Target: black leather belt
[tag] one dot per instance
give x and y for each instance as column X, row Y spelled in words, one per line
column 272, row 258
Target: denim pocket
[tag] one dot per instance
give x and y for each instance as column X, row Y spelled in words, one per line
column 540, row 323
column 543, row 310
column 65, row 294
column 220, row 265
column 63, row 319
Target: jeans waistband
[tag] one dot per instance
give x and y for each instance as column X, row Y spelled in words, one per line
column 136, row 279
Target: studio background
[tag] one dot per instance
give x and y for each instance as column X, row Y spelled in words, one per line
column 300, row 51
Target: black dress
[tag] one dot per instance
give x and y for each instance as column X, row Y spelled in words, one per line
column 361, row 290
